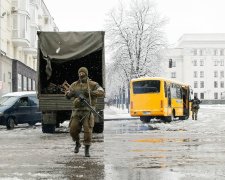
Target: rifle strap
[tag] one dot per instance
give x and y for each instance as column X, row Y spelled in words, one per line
column 82, row 119
column 89, row 93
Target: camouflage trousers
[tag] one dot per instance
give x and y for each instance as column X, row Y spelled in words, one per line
column 78, row 120
column 194, row 113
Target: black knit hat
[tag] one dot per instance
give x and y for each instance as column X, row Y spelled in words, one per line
column 84, row 70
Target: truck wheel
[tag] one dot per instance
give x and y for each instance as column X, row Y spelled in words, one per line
column 98, row 128
column 57, row 124
column 31, row 123
column 10, row 123
column 48, row 128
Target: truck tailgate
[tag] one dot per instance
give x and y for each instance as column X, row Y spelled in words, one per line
column 54, row 102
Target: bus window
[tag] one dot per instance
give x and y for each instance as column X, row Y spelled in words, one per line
column 149, row 86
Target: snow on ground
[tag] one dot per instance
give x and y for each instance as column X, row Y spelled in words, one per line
column 113, row 112
column 213, row 106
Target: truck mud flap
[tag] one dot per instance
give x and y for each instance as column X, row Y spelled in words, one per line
column 49, row 122
column 99, row 127
column 48, row 128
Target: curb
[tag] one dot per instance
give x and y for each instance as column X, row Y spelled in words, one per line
column 119, row 119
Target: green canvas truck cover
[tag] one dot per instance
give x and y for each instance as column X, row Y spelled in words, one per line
column 60, row 47
column 64, row 46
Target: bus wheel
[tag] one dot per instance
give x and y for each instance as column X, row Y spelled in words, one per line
column 145, row 119
column 183, row 117
column 169, row 118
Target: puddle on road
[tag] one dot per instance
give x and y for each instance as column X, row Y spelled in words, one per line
column 149, row 150
column 162, row 140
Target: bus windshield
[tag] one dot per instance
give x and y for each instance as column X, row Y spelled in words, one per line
column 148, row 86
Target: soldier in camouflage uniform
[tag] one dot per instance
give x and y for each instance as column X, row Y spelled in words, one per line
column 81, row 114
column 195, row 107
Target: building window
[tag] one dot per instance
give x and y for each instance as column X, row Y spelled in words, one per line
column 29, row 84
column 24, row 83
column 215, row 84
column 173, row 74
column 222, row 74
column 34, row 64
column 201, row 62
column 195, row 52
column 173, row 63
column 215, row 63
column 10, row 86
column 195, row 84
column 221, row 52
column 222, row 84
column 9, row 75
column 25, row 60
column 33, row 85
column 19, row 82
column 201, row 74
column 201, row 84
column 221, row 62
column 8, row 47
column 201, row 95
column 195, row 63
column 195, row 94
column 195, row 74
column 215, row 73
column 215, row 95
column 215, row 52
column 200, row 52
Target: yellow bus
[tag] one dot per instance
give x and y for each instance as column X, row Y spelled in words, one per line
column 161, row 98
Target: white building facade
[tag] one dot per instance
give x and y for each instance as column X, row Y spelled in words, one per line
column 198, row 60
column 19, row 22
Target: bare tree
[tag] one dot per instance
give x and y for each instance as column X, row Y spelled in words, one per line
column 135, row 36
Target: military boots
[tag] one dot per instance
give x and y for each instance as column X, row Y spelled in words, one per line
column 87, row 150
column 77, row 147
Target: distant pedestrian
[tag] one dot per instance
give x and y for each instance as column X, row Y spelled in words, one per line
column 195, row 107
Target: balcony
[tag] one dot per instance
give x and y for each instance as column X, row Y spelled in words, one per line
column 20, row 38
column 30, row 50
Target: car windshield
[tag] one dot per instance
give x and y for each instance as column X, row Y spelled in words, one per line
column 7, row 100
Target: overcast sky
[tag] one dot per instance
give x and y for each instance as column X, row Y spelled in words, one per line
column 185, row 16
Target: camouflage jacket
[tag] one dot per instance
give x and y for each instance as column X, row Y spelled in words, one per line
column 85, row 89
column 195, row 103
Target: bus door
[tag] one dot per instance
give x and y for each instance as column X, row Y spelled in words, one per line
column 169, row 95
column 185, row 96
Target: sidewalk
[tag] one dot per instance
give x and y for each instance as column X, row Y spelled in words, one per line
column 114, row 113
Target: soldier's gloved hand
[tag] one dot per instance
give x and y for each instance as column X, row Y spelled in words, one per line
column 81, row 97
column 67, row 94
column 94, row 93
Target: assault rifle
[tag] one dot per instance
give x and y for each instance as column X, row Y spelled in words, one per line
column 65, row 87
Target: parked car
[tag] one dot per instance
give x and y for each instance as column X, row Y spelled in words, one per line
column 19, row 108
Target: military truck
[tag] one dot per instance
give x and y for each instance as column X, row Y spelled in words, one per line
column 60, row 55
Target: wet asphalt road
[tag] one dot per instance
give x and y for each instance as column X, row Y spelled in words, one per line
column 127, row 150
